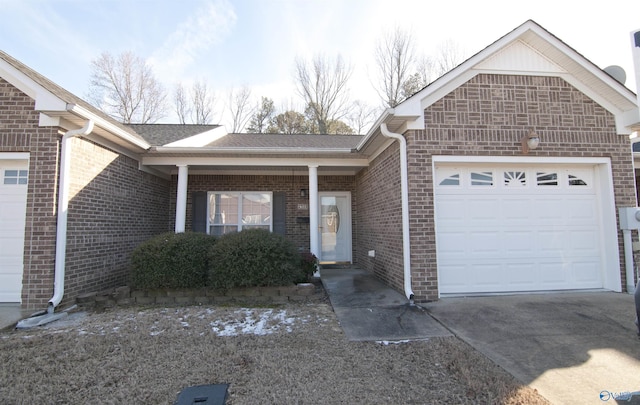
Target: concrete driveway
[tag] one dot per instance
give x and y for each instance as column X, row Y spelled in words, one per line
column 574, row 348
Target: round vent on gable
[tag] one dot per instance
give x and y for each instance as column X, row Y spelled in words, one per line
column 617, row 73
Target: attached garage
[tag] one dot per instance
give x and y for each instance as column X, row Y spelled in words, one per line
column 13, row 203
column 528, row 225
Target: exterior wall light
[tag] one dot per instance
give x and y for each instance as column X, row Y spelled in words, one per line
column 303, row 192
column 530, row 142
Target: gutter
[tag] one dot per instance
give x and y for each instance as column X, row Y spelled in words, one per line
column 292, row 150
column 63, row 208
column 61, row 230
column 404, row 185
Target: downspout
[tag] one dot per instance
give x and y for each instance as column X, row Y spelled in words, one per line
column 404, row 186
column 63, row 206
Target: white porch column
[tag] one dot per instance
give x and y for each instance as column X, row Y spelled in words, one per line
column 313, row 211
column 181, row 198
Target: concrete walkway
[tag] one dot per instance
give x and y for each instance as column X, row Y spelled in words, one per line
column 368, row 310
column 574, row 348
column 10, row 314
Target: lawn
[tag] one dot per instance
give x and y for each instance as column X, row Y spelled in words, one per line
column 289, row 354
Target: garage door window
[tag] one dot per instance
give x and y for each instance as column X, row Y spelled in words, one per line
column 515, row 179
column 547, row 179
column 14, row 177
column 576, row 181
column 482, row 178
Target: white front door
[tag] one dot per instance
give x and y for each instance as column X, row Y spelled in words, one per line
column 335, row 227
column 13, row 208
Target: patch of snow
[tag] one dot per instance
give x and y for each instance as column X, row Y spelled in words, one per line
column 253, row 322
column 392, row 342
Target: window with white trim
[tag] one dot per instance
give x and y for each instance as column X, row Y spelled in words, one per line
column 12, row 177
column 481, row 178
column 234, row 211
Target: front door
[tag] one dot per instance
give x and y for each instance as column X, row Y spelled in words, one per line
column 335, row 227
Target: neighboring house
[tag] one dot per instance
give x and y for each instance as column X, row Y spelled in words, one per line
column 448, row 166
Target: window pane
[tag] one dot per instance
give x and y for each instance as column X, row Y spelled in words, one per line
column 453, row 180
column 10, row 180
column 515, row 179
column 219, row 230
column 223, row 208
column 10, row 173
column 575, row 181
column 256, row 209
column 482, row 179
column 547, row 179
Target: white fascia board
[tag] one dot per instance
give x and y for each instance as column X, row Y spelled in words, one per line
column 374, row 128
column 297, row 151
column 199, row 140
column 106, row 125
column 235, row 161
column 45, row 100
column 14, row 155
column 519, row 159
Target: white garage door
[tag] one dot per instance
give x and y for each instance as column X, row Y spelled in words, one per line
column 13, row 203
column 514, row 228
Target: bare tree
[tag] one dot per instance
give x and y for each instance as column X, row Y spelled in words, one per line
column 203, row 102
column 239, row 106
column 361, row 116
column 450, row 55
column 394, row 55
column 181, row 103
column 124, row 87
column 265, row 112
column 197, row 105
column 322, row 83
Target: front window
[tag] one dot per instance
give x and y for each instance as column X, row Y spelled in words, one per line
column 235, row 211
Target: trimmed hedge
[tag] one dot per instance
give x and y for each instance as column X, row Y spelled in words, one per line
column 255, row 258
column 172, row 260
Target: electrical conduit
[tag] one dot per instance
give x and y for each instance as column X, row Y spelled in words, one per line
column 63, row 206
column 404, row 185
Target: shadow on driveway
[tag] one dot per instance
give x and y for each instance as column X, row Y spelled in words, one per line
column 574, row 348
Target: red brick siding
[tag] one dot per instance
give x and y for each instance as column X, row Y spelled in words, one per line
column 111, row 209
column 380, row 218
column 19, row 132
column 487, row 116
column 291, row 185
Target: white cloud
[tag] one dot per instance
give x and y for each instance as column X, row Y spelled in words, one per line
column 208, row 26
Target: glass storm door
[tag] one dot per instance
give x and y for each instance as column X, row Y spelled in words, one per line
column 335, row 227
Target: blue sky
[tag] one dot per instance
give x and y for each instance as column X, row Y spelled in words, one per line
column 254, row 42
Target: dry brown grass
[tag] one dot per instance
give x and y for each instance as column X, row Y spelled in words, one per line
column 148, row 355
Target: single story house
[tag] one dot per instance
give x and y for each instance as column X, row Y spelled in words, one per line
column 504, row 175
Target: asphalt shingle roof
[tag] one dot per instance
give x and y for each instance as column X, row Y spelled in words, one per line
column 162, row 134
column 297, row 141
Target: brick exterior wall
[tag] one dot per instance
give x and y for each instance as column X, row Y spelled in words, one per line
column 296, row 232
column 380, row 218
column 113, row 207
column 98, row 241
column 487, row 116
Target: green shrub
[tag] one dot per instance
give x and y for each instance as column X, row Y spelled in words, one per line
column 172, row 260
column 254, row 258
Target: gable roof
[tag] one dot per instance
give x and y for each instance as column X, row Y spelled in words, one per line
column 63, row 108
column 163, row 134
column 529, row 50
column 283, row 141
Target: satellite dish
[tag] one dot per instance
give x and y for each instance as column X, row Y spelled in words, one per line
column 617, row 73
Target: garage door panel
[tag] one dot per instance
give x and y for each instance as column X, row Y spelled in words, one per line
column 13, row 194
column 541, row 235
column 483, row 243
column 519, row 243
